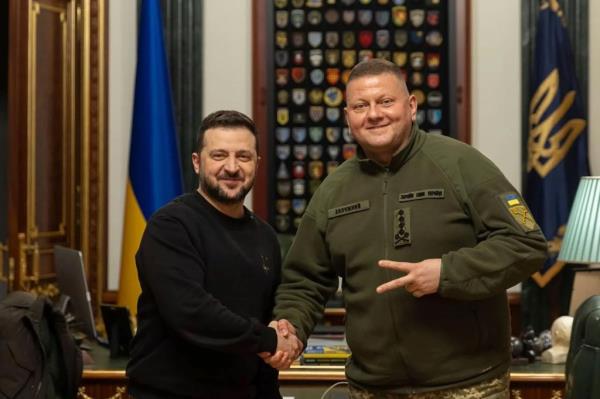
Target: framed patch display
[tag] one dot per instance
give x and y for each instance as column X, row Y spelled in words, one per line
column 304, row 51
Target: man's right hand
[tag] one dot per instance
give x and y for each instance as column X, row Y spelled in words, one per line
column 284, row 327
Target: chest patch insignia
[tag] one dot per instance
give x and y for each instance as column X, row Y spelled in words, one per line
column 519, row 211
column 402, row 233
column 348, row 208
column 429, row 193
column 265, row 264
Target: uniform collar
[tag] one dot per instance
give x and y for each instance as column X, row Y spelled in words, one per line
column 417, row 137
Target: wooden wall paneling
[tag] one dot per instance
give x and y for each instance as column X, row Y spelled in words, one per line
column 93, row 145
column 260, row 193
column 49, row 135
column 39, row 77
column 17, row 125
column 3, row 116
column 461, row 74
column 57, row 123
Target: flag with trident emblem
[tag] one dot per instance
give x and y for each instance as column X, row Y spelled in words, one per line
column 558, row 143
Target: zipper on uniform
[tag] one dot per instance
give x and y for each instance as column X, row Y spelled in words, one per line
column 384, row 192
column 386, row 243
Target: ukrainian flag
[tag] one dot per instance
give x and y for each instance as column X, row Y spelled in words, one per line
column 154, row 165
column 557, row 147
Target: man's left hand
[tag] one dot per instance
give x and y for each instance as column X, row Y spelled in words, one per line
column 422, row 278
column 286, row 339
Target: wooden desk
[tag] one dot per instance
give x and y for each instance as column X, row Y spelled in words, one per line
column 106, row 379
column 537, row 381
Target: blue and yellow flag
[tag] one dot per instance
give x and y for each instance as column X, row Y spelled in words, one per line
column 558, row 143
column 154, row 167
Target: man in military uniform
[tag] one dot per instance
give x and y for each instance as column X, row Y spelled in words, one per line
column 427, row 235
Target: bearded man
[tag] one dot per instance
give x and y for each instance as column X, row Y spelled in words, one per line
column 208, row 268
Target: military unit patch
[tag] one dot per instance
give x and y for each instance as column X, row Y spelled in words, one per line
column 519, row 211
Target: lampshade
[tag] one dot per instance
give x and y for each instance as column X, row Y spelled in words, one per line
column 581, row 243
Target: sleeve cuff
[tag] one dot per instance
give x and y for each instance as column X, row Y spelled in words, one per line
column 267, row 340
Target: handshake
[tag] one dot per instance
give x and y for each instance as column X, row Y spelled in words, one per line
column 289, row 346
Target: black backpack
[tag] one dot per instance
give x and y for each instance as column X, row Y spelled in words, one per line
column 38, row 356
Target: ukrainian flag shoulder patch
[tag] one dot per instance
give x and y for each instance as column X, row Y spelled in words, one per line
column 519, row 211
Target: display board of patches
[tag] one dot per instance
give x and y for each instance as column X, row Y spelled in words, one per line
column 315, row 44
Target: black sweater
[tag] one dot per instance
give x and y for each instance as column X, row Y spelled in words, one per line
column 208, row 282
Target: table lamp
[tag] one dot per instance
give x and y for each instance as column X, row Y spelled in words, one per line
column 581, row 243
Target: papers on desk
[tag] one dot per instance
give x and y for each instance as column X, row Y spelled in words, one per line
column 325, row 351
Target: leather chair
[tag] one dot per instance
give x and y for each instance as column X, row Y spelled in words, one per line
column 583, row 361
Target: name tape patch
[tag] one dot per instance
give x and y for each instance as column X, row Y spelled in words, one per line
column 430, row 193
column 349, row 208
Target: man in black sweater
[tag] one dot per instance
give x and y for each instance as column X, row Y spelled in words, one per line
column 208, row 268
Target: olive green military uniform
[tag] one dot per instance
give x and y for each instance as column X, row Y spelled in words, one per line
column 438, row 198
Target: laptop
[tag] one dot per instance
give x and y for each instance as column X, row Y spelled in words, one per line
column 72, row 283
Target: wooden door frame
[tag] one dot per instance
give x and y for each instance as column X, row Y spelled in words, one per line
column 90, row 126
